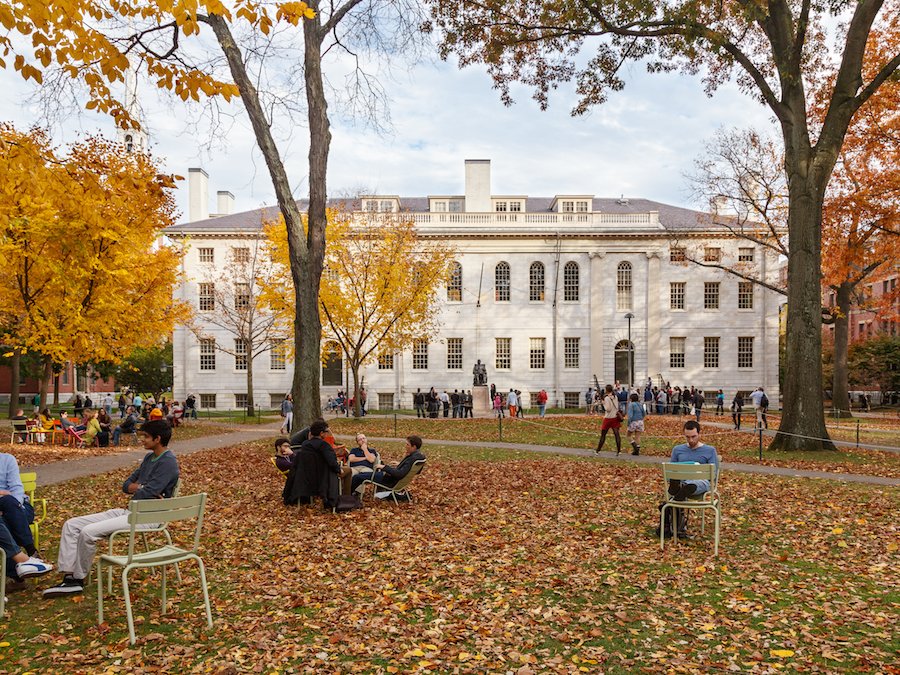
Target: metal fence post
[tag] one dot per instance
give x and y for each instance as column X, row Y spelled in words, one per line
column 857, row 434
column 500, row 426
column 760, row 444
column 395, row 425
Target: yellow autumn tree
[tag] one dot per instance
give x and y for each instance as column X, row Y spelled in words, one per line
column 85, row 277
column 379, row 288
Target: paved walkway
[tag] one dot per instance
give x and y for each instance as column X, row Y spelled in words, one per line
column 58, row 472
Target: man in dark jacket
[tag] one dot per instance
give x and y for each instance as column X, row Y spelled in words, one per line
column 316, row 470
column 391, row 475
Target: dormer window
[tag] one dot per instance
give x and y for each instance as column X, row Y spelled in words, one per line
column 581, row 207
column 568, row 207
column 515, row 207
column 500, row 207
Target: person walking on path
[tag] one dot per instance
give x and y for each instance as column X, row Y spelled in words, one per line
column 737, row 407
column 542, row 402
column 611, row 420
column 636, row 415
column 720, row 403
column 287, row 413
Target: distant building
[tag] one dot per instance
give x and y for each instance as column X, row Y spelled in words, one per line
column 879, row 314
column 541, row 293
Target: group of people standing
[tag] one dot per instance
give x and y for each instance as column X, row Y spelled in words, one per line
column 430, row 404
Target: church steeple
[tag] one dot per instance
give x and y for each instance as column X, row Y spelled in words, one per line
column 134, row 140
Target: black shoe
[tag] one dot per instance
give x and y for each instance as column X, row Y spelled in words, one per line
column 636, row 451
column 685, row 491
column 69, row 586
column 674, row 487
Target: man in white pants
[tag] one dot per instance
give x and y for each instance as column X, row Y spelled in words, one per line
column 155, row 478
column 757, row 397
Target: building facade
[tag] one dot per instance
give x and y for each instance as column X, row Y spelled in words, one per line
column 554, row 293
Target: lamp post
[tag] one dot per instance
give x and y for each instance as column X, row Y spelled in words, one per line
column 630, row 316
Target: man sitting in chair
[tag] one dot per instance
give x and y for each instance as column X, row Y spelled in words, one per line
column 16, row 515
column 694, row 451
column 155, row 478
column 391, row 475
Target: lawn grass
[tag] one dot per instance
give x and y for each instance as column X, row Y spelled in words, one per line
column 505, row 562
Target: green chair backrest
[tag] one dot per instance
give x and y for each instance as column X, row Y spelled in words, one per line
column 161, row 511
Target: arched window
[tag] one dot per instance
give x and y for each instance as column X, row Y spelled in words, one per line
column 624, row 362
column 623, row 287
column 536, row 282
column 570, row 282
column 501, row 282
column 454, row 285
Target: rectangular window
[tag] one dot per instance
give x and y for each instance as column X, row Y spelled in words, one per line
column 745, row 254
column 206, row 255
column 456, row 206
column 538, row 353
column 240, row 254
column 278, row 355
column 568, row 207
column 454, row 284
column 676, row 295
column 387, row 205
column 571, row 399
column 571, row 352
column 503, row 360
column 745, row 352
column 208, row 354
column 581, row 207
column 454, row 353
column 745, row 295
column 275, row 401
column 64, row 376
column 711, row 295
column 420, row 355
column 676, row 352
column 385, row 401
column 241, row 295
column 677, row 254
column 386, row 362
column 207, row 297
column 712, row 254
column 515, row 207
column 240, row 401
column 710, row 352
column 207, row 400
column 440, row 207
column 240, row 354
column 500, row 207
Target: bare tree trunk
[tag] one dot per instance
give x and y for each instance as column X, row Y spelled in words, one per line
column 46, row 375
column 306, row 252
column 251, row 404
column 15, row 368
column 840, row 377
column 357, row 404
column 55, row 389
column 804, row 414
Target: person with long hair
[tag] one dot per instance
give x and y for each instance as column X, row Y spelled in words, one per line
column 635, row 416
column 611, row 420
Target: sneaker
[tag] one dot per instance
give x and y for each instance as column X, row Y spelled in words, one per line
column 69, row 586
column 686, row 490
column 33, row 567
column 383, row 494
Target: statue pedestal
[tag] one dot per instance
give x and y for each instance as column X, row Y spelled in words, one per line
column 481, row 401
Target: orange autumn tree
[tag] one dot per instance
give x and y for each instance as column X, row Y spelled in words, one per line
column 379, row 289
column 85, row 278
column 861, row 217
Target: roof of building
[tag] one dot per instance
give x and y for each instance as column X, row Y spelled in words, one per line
column 670, row 217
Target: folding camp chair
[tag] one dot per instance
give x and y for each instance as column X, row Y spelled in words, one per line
column 402, row 486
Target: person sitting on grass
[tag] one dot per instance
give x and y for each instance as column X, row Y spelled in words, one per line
column 16, row 516
column 284, row 456
column 155, row 478
column 128, row 425
column 389, row 476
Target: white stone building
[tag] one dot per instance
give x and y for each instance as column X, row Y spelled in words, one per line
column 543, row 295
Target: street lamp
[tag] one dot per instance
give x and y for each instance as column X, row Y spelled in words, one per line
column 630, row 316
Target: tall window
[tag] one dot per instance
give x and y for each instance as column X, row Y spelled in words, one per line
column 536, row 282
column 710, row 352
column 676, row 295
column 503, row 360
column 240, row 354
column 241, row 295
column 420, row 355
column 454, row 285
column 206, row 255
column 623, row 287
column 240, row 401
column 538, row 353
column 240, row 254
column 745, row 295
column 454, row 354
column 207, row 297
column 745, row 254
column 677, row 254
column 501, row 282
column 712, row 254
column 571, row 352
column 385, row 361
column 745, row 352
column 207, row 400
column 278, row 355
column 711, row 295
column 676, row 352
column 207, row 354
column 570, row 282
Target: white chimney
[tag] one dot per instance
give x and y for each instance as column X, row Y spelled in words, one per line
column 224, row 202
column 478, row 185
column 198, row 195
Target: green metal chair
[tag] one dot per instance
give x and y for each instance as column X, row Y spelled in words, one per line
column 703, row 502
column 401, row 488
column 145, row 511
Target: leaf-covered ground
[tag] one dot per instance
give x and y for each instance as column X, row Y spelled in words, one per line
column 507, row 562
column 662, row 432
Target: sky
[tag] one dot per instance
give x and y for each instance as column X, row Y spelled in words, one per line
column 640, row 143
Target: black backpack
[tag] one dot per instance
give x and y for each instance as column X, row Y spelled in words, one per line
column 682, row 515
column 764, row 401
column 347, row 503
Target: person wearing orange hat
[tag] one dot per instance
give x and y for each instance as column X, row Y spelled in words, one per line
column 156, row 414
